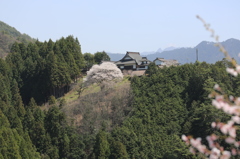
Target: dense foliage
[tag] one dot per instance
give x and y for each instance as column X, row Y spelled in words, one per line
column 38, row 70
column 45, row 69
column 101, row 56
column 169, row 102
column 145, row 120
column 27, row 131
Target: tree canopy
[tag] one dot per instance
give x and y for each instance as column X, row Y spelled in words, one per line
column 101, row 56
column 142, row 119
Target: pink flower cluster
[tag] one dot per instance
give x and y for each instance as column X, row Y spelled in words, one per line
column 214, row 150
column 233, row 71
column 230, row 106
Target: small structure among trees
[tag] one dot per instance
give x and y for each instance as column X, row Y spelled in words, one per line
column 161, row 62
column 133, row 61
column 134, row 64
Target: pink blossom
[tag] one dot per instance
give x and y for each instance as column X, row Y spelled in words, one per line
column 232, row 110
column 216, row 104
column 191, row 149
column 214, row 137
column 219, row 98
column 211, row 140
column 236, row 119
column 231, row 98
column 234, row 152
column 211, row 144
column 237, row 101
column 216, row 87
column 230, row 140
column 184, row 138
column 226, row 107
column 226, row 155
column 224, row 128
column 215, row 153
column 230, row 123
column 213, row 156
column 232, row 71
column 236, row 110
column 195, row 142
column 236, row 144
column 213, row 124
column 238, row 68
column 201, row 148
column 232, row 132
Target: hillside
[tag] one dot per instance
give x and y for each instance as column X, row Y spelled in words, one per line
column 138, row 117
column 9, row 35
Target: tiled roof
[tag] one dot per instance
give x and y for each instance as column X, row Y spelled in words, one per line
column 136, row 58
column 125, row 62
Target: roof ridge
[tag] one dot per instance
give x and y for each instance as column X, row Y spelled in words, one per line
column 133, row 52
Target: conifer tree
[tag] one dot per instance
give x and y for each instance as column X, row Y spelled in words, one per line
column 101, row 148
column 16, row 63
column 17, row 100
column 118, row 150
column 101, row 56
column 15, row 48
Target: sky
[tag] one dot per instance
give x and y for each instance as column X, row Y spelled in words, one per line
column 118, row 26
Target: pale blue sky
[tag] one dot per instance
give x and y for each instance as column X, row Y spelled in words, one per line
column 124, row 25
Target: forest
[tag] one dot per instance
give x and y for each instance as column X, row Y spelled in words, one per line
column 141, row 117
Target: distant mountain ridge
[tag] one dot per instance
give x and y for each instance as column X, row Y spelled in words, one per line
column 207, row 52
column 9, row 35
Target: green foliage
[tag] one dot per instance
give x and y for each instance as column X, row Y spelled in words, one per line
column 152, row 69
column 118, row 150
column 38, row 71
column 89, row 60
column 62, row 102
column 101, row 56
column 141, row 121
column 167, row 103
column 52, row 100
column 101, row 148
column 45, row 69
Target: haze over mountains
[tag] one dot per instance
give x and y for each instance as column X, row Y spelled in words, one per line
column 206, row 52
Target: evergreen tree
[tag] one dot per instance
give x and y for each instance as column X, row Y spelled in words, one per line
column 101, row 148
column 89, row 60
column 101, row 56
column 118, row 150
column 17, row 100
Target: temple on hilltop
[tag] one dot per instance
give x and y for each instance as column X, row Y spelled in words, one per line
column 133, row 61
column 134, row 64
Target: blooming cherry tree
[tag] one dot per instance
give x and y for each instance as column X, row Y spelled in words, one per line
column 105, row 72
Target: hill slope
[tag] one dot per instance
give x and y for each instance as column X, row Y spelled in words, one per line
column 9, row 35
